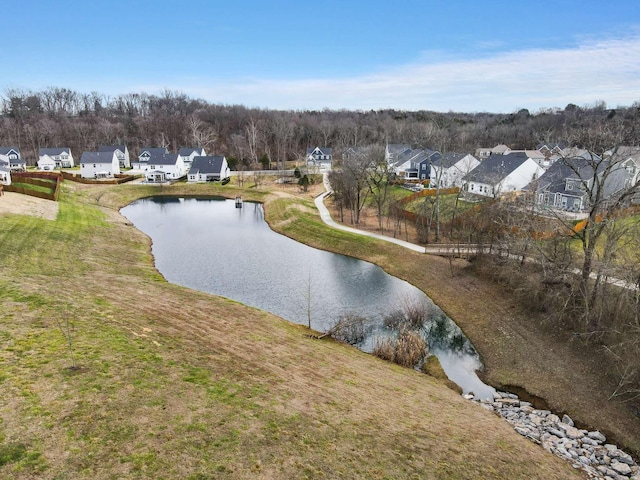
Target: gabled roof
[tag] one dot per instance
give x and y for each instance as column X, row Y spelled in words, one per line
column 554, row 180
column 97, row 157
column 54, row 151
column 112, row 148
column 163, row 159
column 7, row 150
column 207, row 164
column 322, row 150
column 495, row 168
column 448, row 159
column 416, row 156
column 154, row 150
column 186, row 151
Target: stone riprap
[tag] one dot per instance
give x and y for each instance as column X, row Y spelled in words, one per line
column 585, row 449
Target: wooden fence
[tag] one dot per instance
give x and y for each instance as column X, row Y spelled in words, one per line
column 40, row 179
column 118, row 178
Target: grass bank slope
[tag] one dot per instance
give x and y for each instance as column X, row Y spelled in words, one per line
column 172, row 383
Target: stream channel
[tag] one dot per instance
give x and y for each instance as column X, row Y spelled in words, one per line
column 212, row 246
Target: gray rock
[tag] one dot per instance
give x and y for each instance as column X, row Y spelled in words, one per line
column 621, row 468
column 570, row 431
column 567, row 420
column 597, row 436
column 556, row 432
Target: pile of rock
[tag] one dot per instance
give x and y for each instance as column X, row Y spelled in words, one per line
column 585, row 449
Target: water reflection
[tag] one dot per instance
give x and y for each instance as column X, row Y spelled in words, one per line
column 209, row 245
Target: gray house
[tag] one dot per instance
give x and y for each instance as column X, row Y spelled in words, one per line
column 208, row 169
column 567, row 183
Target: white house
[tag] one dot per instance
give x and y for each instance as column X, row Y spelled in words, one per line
column 121, row 151
column 499, row 174
column 11, row 155
column 319, row 159
column 46, row 163
column 447, row 170
column 208, row 169
column 61, row 158
column 188, row 154
column 164, row 167
column 5, row 173
column 145, row 155
column 99, row 165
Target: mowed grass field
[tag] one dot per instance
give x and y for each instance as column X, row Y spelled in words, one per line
column 173, row 383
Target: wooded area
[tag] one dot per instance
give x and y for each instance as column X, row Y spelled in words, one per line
column 56, row 117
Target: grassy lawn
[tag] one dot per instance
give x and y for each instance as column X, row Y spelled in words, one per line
column 35, row 188
column 172, row 383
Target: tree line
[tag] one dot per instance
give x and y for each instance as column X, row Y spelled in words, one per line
column 260, row 138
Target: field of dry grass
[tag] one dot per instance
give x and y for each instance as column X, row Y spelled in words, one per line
column 172, row 383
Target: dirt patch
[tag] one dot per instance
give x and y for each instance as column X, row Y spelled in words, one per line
column 20, row 204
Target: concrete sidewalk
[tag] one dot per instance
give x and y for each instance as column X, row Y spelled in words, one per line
column 326, row 218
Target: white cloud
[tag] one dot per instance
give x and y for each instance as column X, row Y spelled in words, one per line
column 606, row 70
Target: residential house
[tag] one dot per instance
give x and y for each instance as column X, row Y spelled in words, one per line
column 121, row 151
column 164, row 167
column 448, row 169
column 208, row 169
column 11, row 155
column 499, row 174
column 145, row 155
column 414, row 164
column 46, row 163
column 319, row 159
column 61, row 158
column 567, row 183
column 99, row 165
column 188, row 154
column 5, row 173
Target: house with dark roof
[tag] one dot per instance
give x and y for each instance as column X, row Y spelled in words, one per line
column 567, row 183
column 499, row 174
column 163, row 167
column 99, row 165
column 414, row 164
column 11, row 155
column 448, row 169
column 121, row 151
column 208, row 169
column 50, row 158
column 319, row 159
column 145, row 155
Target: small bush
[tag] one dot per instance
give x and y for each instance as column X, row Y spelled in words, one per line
column 350, row 329
column 408, row 350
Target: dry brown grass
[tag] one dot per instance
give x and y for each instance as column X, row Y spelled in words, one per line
column 180, row 384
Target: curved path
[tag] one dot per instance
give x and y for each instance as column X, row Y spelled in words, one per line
column 326, row 218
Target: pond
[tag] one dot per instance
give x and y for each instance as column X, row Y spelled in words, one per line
column 212, row 246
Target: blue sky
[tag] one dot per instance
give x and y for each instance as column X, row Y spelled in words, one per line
column 469, row 56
